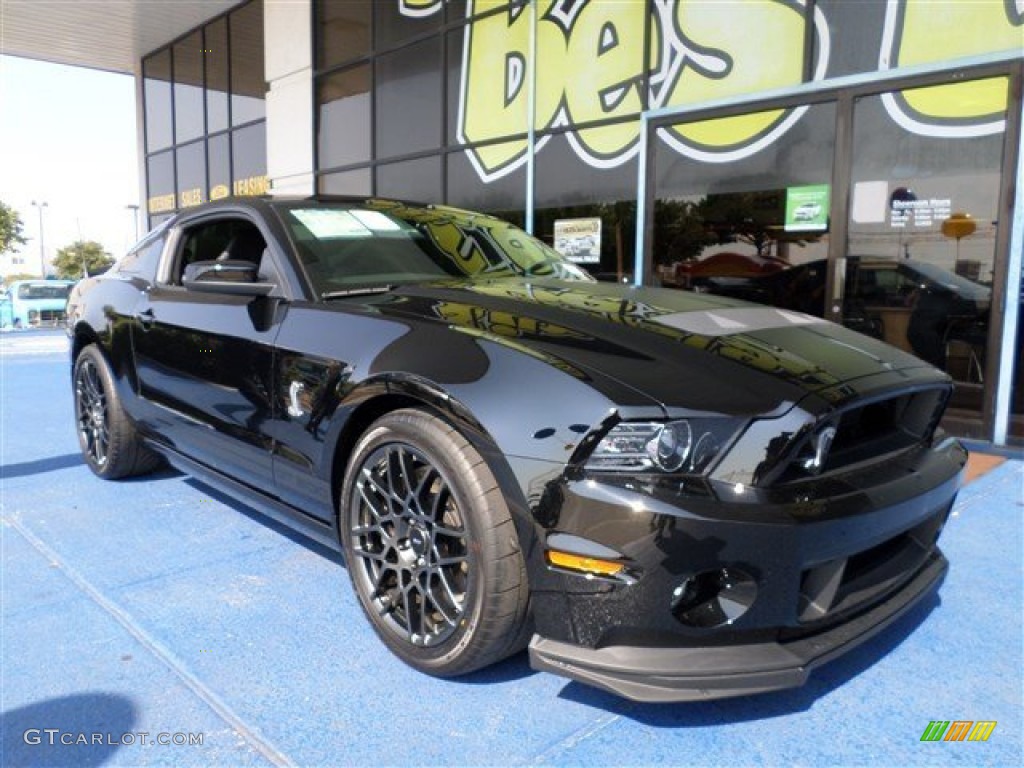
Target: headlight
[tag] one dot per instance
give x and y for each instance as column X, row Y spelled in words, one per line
column 686, row 446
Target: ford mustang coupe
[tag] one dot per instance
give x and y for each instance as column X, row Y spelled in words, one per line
column 667, row 495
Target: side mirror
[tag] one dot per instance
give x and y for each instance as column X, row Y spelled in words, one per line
column 233, row 276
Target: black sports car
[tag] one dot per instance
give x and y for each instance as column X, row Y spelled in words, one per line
column 676, row 496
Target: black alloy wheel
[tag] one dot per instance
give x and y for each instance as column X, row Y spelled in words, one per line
column 431, row 548
column 410, row 543
column 91, row 412
column 108, row 440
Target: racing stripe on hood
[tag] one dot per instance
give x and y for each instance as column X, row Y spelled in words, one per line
column 729, row 321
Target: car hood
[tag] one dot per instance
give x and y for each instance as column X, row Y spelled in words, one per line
column 683, row 350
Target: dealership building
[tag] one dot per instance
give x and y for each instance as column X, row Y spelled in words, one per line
column 870, row 151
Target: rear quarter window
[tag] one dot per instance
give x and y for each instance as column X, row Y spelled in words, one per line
column 142, row 260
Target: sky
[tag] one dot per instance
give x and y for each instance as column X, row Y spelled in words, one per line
column 67, row 137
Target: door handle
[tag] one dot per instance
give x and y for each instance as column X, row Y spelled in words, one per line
column 146, row 318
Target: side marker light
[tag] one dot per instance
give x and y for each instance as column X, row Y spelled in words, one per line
column 584, row 564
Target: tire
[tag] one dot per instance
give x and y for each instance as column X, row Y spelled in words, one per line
column 108, row 440
column 435, row 563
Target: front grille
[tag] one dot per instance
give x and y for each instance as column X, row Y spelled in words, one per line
column 867, row 431
column 53, row 317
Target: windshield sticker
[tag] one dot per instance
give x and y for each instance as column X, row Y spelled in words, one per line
column 331, row 223
column 376, row 221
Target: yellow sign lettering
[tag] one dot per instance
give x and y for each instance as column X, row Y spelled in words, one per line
column 589, row 66
column 254, row 185
column 190, row 197
column 589, row 58
column 604, row 78
column 708, row 60
column 920, row 32
column 419, row 8
column 161, row 203
column 496, row 50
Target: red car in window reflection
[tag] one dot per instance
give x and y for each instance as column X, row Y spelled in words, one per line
column 692, row 274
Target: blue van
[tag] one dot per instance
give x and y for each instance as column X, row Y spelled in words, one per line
column 34, row 303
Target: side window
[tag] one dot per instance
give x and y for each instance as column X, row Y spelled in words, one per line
column 904, row 289
column 143, row 260
column 870, row 290
column 881, row 286
column 222, row 240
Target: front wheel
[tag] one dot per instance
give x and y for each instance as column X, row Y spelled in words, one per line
column 431, row 547
column 107, row 438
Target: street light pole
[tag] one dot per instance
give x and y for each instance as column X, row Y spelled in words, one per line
column 135, row 218
column 42, row 246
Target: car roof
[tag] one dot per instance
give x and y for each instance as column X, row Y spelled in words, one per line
column 264, row 203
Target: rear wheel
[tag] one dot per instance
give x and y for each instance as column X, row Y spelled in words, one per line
column 431, row 547
column 108, row 440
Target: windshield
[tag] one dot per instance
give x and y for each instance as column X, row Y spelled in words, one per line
column 960, row 285
column 44, row 290
column 381, row 242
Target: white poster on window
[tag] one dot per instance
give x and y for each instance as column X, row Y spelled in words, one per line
column 579, row 240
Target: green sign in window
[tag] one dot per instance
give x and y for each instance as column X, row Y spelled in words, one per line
column 807, row 208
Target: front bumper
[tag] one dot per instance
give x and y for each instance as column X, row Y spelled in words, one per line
column 703, row 673
column 832, row 563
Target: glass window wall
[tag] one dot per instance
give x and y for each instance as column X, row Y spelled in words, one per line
column 189, row 120
column 756, row 229
column 408, row 110
column 922, row 230
column 195, row 90
column 248, row 84
column 344, row 128
column 156, row 74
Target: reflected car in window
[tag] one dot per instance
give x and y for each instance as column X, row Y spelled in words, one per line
column 940, row 305
column 693, row 274
column 807, row 212
column 665, row 494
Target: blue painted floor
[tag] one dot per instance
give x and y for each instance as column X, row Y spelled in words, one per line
column 158, row 607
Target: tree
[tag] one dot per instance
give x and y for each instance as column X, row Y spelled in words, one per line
column 754, row 218
column 15, row 277
column 10, row 229
column 680, row 232
column 81, row 257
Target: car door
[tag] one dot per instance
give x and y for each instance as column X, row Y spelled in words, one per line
column 204, row 358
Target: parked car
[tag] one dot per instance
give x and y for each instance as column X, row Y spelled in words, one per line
column 34, row 303
column 807, row 212
column 669, row 495
column 692, row 274
column 941, row 304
